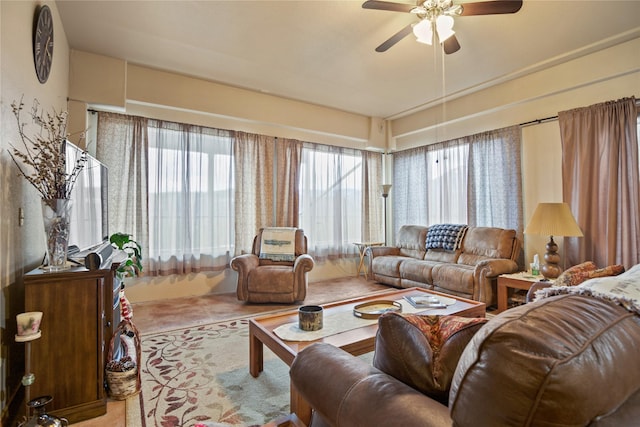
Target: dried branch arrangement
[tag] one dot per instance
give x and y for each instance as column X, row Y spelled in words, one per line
column 41, row 159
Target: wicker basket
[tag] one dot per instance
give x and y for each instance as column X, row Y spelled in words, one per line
column 124, row 384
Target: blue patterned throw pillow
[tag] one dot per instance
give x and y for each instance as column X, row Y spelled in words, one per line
column 445, row 236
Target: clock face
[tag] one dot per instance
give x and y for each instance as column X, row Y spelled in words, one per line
column 43, row 44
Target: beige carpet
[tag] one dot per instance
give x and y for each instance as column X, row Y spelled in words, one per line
column 195, row 359
column 201, row 374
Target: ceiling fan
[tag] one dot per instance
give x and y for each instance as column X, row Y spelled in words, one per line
column 436, row 18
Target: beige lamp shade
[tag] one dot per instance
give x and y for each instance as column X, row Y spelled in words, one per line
column 553, row 219
column 385, row 190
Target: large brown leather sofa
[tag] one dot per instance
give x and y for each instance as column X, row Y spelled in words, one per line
column 568, row 360
column 470, row 271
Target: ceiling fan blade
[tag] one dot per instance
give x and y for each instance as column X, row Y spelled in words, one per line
column 395, row 39
column 491, row 7
column 387, row 5
column 451, row 45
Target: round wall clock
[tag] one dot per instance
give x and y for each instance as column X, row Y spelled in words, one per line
column 43, row 43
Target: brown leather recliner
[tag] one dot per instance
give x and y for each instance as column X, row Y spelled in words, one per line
column 568, row 360
column 266, row 281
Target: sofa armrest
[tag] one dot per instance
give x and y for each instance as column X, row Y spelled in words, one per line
column 344, row 390
column 374, row 251
column 485, row 272
column 243, row 264
column 492, row 268
column 303, row 264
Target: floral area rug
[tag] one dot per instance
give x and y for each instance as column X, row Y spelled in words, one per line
column 200, row 375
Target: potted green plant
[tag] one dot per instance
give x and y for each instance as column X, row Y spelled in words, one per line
column 131, row 266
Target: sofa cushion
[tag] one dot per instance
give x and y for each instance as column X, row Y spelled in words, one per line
column 423, row 351
column 388, row 265
column 445, row 236
column 411, row 240
column 416, row 270
column 576, row 274
column 454, row 278
column 482, row 243
column 587, row 270
column 441, row 255
column 560, row 361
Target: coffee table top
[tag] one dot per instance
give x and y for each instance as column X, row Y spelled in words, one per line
column 355, row 341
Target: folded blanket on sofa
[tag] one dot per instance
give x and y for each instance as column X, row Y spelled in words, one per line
column 278, row 244
column 445, row 236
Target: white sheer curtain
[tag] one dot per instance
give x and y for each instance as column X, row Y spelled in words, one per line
column 194, row 196
column 430, row 184
column 331, row 194
column 191, row 187
column 474, row 180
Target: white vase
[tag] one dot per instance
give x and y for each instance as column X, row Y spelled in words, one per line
column 56, row 214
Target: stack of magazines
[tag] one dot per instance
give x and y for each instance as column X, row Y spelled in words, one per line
column 425, row 301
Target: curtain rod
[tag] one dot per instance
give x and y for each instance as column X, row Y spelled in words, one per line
column 548, row 119
column 538, row 121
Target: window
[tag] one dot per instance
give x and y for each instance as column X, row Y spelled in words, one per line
column 331, row 199
column 474, row 180
column 190, row 197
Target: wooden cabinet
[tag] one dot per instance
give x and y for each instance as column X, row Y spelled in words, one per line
column 80, row 314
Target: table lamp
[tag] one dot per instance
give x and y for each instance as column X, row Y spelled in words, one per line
column 553, row 219
column 28, row 330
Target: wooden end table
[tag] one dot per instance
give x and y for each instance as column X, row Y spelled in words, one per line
column 362, row 251
column 522, row 280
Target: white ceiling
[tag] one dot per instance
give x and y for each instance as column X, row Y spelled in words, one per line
column 322, row 51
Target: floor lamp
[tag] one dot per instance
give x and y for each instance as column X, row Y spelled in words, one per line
column 385, row 193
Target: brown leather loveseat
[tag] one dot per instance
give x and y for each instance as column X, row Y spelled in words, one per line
column 568, row 360
column 469, row 269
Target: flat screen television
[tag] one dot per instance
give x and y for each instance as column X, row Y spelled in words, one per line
column 89, row 226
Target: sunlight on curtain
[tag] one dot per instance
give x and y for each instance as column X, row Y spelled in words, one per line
column 191, row 187
column 373, row 215
column 474, row 180
column 331, row 207
column 447, row 183
column 430, row 184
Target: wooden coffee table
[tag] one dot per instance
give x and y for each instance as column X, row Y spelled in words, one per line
column 355, row 341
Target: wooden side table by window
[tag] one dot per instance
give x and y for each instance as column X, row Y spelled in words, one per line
column 522, row 280
column 362, row 250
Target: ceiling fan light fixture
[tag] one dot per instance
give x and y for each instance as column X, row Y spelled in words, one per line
column 444, row 27
column 423, row 32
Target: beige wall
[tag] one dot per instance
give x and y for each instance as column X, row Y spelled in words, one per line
column 21, row 246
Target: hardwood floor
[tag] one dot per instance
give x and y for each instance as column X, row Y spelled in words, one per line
column 158, row 316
